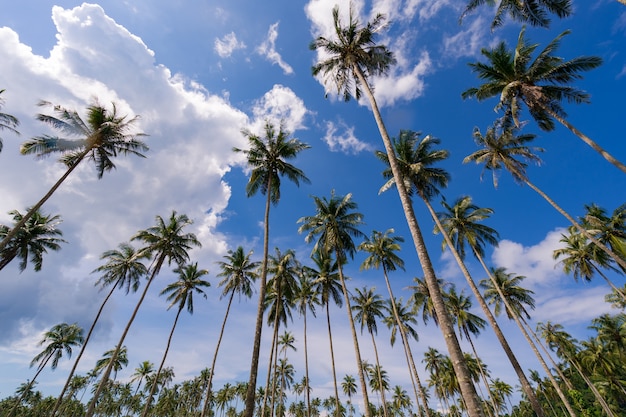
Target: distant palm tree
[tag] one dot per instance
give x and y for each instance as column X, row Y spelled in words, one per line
column 38, row 234
column 144, row 369
column 238, row 273
column 268, row 159
column 541, row 84
column 165, row 241
column 118, row 361
column 180, row 293
column 7, row 122
column 534, row 12
column 102, row 137
column 60, row 338
column 349, row 387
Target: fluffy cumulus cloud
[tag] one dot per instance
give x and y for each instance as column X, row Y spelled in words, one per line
column 268, row 50
column 280, row 105
column 227, row 45
column 340, row 138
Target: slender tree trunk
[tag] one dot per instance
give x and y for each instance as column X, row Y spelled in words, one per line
column 271, row 370
column 468, row 391
column 82, row 350
column 608, row 281
column 332, row 360
column 207, row 398
column 355, row 340
column 585, row 138
column 30, row 385
column 7, row 258
column 380, row 377
column 617, row 258
column 107, row 372
column 158, row 373
column 254, row 366
column 407, row 350
column 306, row 371
column 482, row 372
column 40, row 203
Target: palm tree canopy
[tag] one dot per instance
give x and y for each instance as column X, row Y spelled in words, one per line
column 459, row 306
column 326, row 282
column 382, row 248
column 282, row 286
column 189, row 282
column 461, row 222
column 534, row 12
column 60, row 338
column 541, row 84
column 354, row 48
column 238, row 273
column 103, row 135
column 267, row 157
column 368, row 307
column 416, row 159
column 123, row 268
column 407, row 318
column 580, row 257
column 7, row 122
column 334, row 225
column 38, row 234
column 517, row 296
column 609, row 230
column 121, row 360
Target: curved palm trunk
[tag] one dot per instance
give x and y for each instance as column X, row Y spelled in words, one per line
column 526, row 387
column 332, row 360
column 585, row 138
column 407, row 351
column 306, row 371
column 468, row 391
column 158, row 373
column 107, row 372
column 355, row 340
column 380, row 377
column 57, row 404
column 29, row 386
column 617, row 258
column 40, row 203
column 608, row 281
column 207, row 398
column 254, row 366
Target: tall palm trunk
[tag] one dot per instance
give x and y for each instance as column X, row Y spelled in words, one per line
column 526, row 387
column 254, row 366
column 380, row 377
column 407, row 350
column 355, row 340
column 482, row 372
column 107, row 371
column 585, row 138
column 40, row 203
column 207, row 398
column 306, row 371
column 57, row 404
column 617, row 258
column 272, row 365
column 332, row 360
column 468, row 391
column 158, row 373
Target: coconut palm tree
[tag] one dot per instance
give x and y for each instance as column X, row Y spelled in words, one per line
column 123, row 270
column 534, row 12
column 368, row 307
column 333, row 228
column 381, row 248
column 268, row 159
column 120, row 361
column 349, row 387
column 100, row 138
column 7, row 122
column 502, row 289
column 144, row 369
column 238, row 274
column 609, row 230
column 348, row 60
column 328, row 285
column 541, row 84
column 60, row 338
column 180, row 293
column 502, row 147
column 166, row 241
column 32, row 241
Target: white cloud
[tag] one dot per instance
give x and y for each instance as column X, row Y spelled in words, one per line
column 227, row 45
column 345, row 141
column 280, row 104
column 468, row 42
column 268, row 50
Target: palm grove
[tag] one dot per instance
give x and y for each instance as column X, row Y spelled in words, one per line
column 577, row 377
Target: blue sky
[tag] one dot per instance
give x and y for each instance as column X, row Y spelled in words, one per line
column 199, row 72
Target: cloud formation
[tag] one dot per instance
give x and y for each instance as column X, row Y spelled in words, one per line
column 227, row 45
column 268, row 50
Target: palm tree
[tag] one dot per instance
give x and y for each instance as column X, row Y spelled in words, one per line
column 348, row 386
column 164, row 241
column 268, row 159
column 381, row 248
column 414, row 160
column 609, row 230
column 120, row 361
column 368, row 307
column 144, row 369
column 181, row 294
column 102, row 137
column 503, row 148
column 7, row 122
column 238, row 273
column 333, row 227
column 306, row 299
column 541, row 84
column 60, row 338
column 503, row 289
column 328, row 285
column 122, row 270
column 38, row 234
column 534, row 12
